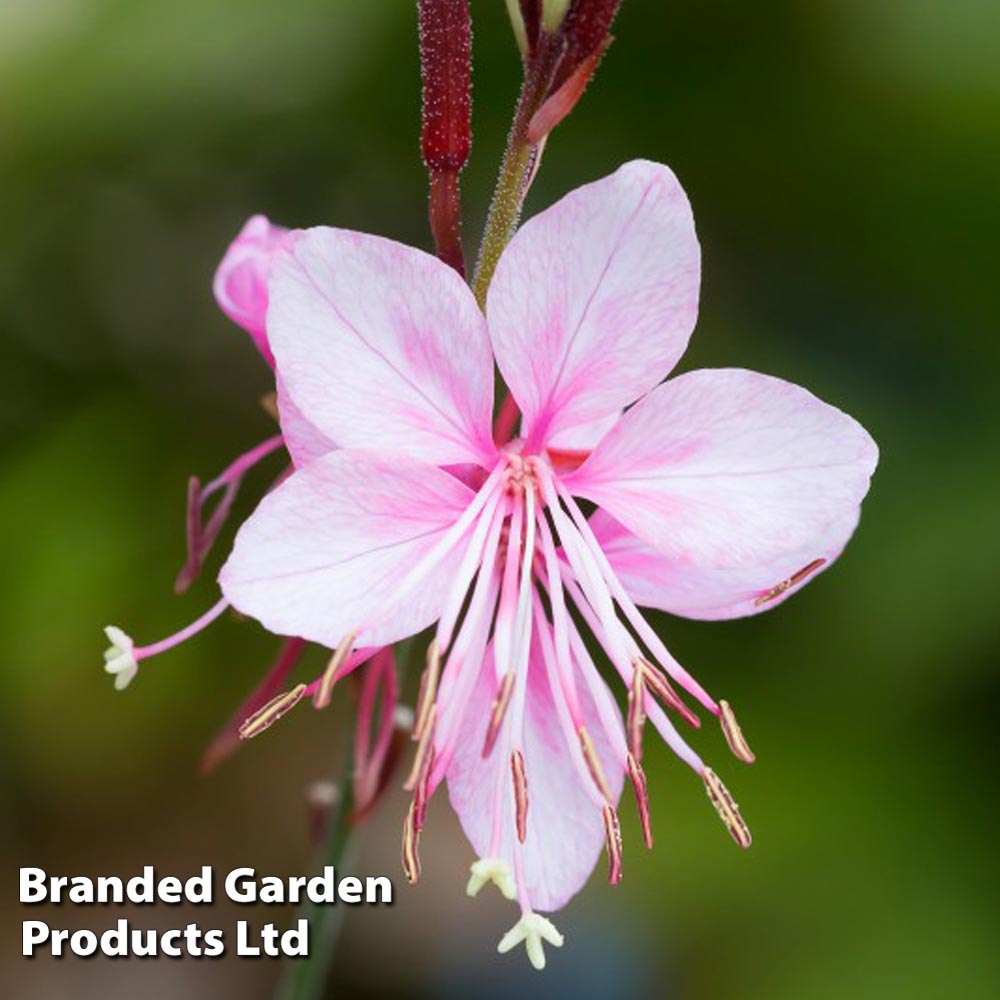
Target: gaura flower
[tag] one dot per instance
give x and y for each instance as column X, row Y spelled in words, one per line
column 715, row 494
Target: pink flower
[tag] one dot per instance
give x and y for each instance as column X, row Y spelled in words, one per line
column 719, row 492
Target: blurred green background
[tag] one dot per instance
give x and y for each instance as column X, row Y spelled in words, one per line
column 843, row 159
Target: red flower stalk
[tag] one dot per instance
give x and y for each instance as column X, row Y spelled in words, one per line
column 446, row 135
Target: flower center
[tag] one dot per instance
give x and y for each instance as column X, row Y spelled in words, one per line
column 521, row 472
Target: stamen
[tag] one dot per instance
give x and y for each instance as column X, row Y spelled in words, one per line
column 198, row 625
column 779, row 589
column 520, row 793
column 420, row 758
column 500, row 704
column 325, row 691
column 728, row 810
column 560, row 618
column 566, row 721
column 636, row 713
column 613, row 836
column 638, row 778
column 411, row 847
column 428, row 689
column 734, row 735
column 643, row 629
column 663, row 690
column 593, row 763
column 422, row 793
column 267, row 716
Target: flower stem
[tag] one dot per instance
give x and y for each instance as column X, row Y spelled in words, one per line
column 516, row 169
column 306, row 978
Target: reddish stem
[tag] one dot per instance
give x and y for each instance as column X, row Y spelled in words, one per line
column 503, row 429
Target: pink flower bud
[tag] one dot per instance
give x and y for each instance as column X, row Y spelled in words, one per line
column 240, row 284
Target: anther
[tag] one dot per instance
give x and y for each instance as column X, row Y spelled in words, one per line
column 663, row 690
column 779, row 589
column 421, row 795
column 500, row 703
column 593, row 763
column 411, row 846
column 520, row 793
column 428, row 689
column 636, row 713
column 638, row 778
column 613, row 836
column 734, row 735
column 269, row 714
column 325, row 690
column 728, row 810
column 422, row 757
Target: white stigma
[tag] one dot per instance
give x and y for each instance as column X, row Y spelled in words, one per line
column 403, row 718
column 119, row 657
column 323, row 794
column 532, row 929
column 494, row 870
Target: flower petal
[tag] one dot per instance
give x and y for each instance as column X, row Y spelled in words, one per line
column 240, row 284
column 303, row 440
column 382, row 347
column 565, row 830
column 729, row 468
column 693, row 590
column 325, row 552
column 595, row 298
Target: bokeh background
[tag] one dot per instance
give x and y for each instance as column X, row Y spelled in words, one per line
column 843, row 159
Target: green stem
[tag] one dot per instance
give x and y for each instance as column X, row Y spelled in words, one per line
column 306, row 978
column 515, row 169
column 505, row 212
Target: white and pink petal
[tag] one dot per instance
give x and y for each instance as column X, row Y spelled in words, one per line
column 729, row 468
column 711, row 593
column 382, row 347
column 304, row 441
column 595, row 298
column 326, row 552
